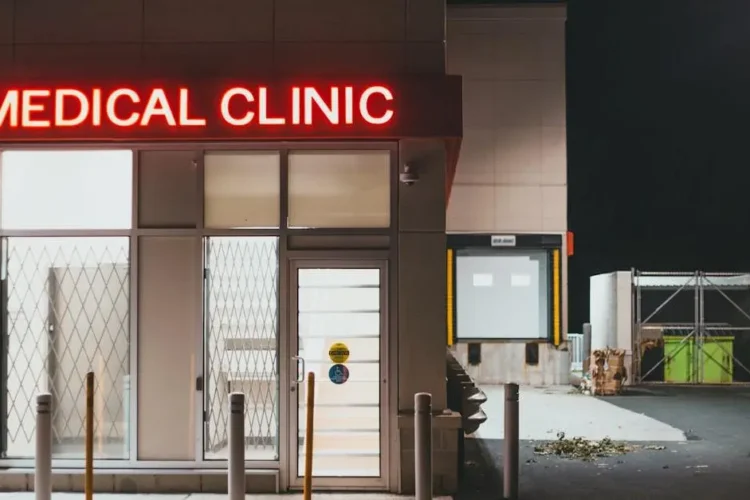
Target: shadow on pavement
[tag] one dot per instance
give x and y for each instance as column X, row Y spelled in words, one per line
column 482, row 476
column 680, row 471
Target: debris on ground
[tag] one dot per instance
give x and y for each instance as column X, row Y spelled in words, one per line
column 654, row 447
column 589, row 450
column 586, row 384
column 582, row 449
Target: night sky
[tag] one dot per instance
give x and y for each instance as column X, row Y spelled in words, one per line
column 658, row 138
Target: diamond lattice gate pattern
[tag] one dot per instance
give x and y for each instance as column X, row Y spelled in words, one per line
column 67, row 312
column 241, row 342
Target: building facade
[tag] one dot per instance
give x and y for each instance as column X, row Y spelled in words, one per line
column 507, row 215
column 200, row 198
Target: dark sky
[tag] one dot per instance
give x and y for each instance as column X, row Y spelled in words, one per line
column 658, row 138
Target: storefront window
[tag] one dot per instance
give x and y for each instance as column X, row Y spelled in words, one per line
column 330, row 189
column 241, row 190
column 67, row 306
column 66, row 299
column 67, row 189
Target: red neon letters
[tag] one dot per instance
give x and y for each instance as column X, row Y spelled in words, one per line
column 59, row 108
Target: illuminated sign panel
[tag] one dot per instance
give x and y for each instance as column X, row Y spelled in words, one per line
column 226, row 111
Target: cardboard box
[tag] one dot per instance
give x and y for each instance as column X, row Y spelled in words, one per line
column 607, row 371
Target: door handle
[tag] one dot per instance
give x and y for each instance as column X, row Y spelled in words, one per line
column 299, row 360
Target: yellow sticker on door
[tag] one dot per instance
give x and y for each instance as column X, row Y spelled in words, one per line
column 338, row 352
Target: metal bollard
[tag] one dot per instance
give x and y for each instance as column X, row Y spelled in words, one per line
column 236, row 465
column 586, row 346
column 43, row 459
column 423, row 446
column 510, row 441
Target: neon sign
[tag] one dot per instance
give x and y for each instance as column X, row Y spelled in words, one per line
column 239, row 107
column 236, row 110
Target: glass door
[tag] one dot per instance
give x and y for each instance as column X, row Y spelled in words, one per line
column 338, row 321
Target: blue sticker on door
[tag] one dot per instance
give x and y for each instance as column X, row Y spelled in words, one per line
column 338, row 374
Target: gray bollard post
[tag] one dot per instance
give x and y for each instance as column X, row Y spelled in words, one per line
column 510, row 441
column 586, row 346
column 43, row 459
column 423, row 446
column 236, row 465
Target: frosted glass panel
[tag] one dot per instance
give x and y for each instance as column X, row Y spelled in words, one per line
column 340, row 305
column 67, row 189
column 241, row 189
column 339, row 189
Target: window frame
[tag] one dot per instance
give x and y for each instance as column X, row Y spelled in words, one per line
column 549, row 243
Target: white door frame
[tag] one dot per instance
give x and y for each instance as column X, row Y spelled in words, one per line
column 324, row 260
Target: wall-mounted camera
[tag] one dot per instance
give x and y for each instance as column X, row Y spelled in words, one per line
column 408, row 175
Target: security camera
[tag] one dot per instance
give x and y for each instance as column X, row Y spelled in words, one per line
column 409, row 176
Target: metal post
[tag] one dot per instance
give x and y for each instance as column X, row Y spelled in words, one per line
column 586, row 340
column 695, row 361
column 510, row 456
column 236, row 465
column 89, row 474
column 638, row 349
column 43, row 458
column 309, row 433
column 702, row 325
column 423, row 446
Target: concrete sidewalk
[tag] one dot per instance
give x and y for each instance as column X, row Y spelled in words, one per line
column 713, row 464
column 208, row 496
column 549, row 410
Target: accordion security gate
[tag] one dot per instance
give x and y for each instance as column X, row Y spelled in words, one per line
column 67, row 313
column 241, row 342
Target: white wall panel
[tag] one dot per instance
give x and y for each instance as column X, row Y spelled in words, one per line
column 519, row 207
column 473, row 201
column 513, row 63
column 512, row 172
column 611, row 302
column 478, row 158
column 554, row 156
column 554, row 208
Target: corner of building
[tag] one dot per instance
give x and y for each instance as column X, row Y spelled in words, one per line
column 512, row 176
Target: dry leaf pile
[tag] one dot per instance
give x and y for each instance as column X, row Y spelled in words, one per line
column 582, row 449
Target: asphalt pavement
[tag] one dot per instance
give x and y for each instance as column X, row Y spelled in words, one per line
column 712, row 464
